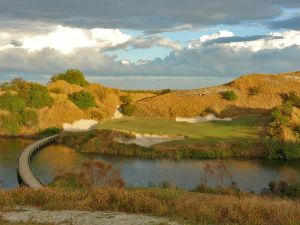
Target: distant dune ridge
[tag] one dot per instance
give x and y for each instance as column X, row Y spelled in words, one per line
column 192, row 103
column 255, row 94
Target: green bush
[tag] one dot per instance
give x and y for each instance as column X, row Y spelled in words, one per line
column 11, row 124
column 16, row 84
column 12, row 103
column 291, row 97
column 165, row 91
column 71, row 76
column 296, row 130
column 28, row 118
column 128, row 110
column 36, row 96
column 230, row 95
column 278, row 149
column 83, row 99
column 254, row 91
column 48, row 132
column 126, row 99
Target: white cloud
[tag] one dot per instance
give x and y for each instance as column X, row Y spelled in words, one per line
column 275, row 41
column 64, row 39
column 125, row 62
column 205, row 38
column 278, row 40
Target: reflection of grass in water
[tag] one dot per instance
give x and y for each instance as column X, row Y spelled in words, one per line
column 246, row 127
column 59, row 158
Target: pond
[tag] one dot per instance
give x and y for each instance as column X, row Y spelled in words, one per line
column 250, row 175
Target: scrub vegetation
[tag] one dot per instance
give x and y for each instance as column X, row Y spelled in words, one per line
column 84, row 100
column 71, row 76
column 186, row 207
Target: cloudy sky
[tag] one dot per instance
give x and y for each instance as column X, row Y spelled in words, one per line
column 149, row 44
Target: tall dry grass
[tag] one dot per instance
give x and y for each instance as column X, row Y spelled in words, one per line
column 193, row 208
column 193, row 102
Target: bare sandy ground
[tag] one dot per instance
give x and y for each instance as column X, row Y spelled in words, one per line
column 80, row 125
column 80, row 217
column 118, row 114
column 201, row 119
column 146, row 140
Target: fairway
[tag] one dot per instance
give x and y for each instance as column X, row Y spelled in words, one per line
column 242, row 128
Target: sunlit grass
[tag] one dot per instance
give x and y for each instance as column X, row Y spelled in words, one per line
column 193, row 208
column 246, row 127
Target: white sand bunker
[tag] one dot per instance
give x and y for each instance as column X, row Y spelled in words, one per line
column 146, row 140
column 118, row 114
column 80, row 125
column 201, row 119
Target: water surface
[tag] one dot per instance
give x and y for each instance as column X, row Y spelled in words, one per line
column 250, row 175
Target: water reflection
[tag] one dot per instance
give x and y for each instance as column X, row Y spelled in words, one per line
column 9, row 151
column 250, row 175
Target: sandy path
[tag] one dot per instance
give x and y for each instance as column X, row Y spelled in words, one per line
column 80, row 217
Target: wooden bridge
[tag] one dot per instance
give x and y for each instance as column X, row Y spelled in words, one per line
column 25, row 174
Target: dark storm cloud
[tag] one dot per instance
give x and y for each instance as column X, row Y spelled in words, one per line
column 154, row 15
column 225, row 40
column 210, row 61
column 291, row 23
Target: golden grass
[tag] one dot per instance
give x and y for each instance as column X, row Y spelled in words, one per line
column 193, row 208
column 193, row 102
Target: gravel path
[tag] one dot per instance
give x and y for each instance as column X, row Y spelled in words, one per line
column 80, row 217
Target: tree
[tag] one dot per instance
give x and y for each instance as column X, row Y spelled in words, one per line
column 71, row 76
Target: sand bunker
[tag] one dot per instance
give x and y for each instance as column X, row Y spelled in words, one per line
column 118, row 114
column 80, row 125
column 147, row 140
column 201, row 119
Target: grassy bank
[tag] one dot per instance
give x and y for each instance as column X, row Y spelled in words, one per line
column 241, row 138
column 192, row 208
column 103, row 142
column 239, row 129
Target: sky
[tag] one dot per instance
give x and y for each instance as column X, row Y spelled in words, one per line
column 142, row 44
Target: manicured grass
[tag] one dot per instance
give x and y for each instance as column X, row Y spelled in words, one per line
column 188, row 207
column 242, row 128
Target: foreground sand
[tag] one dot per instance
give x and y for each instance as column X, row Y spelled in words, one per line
column 35, row 215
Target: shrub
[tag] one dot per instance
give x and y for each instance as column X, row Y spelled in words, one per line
column 230, row 95
column 283, row 188
column 128, row 110
column 16, row 84
column 71, row 76
column 36, row 96
column 126, row 99
column 165, row 91
column 83, row 99
column 12, row 103
column 291, row 97
column 207, row 111
column 254, row 91
column 278, row 149
column 11, row 124
column 93, row 174
column 28, row 117
column 297, row 130
column 48, row 132
column 97, row 115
